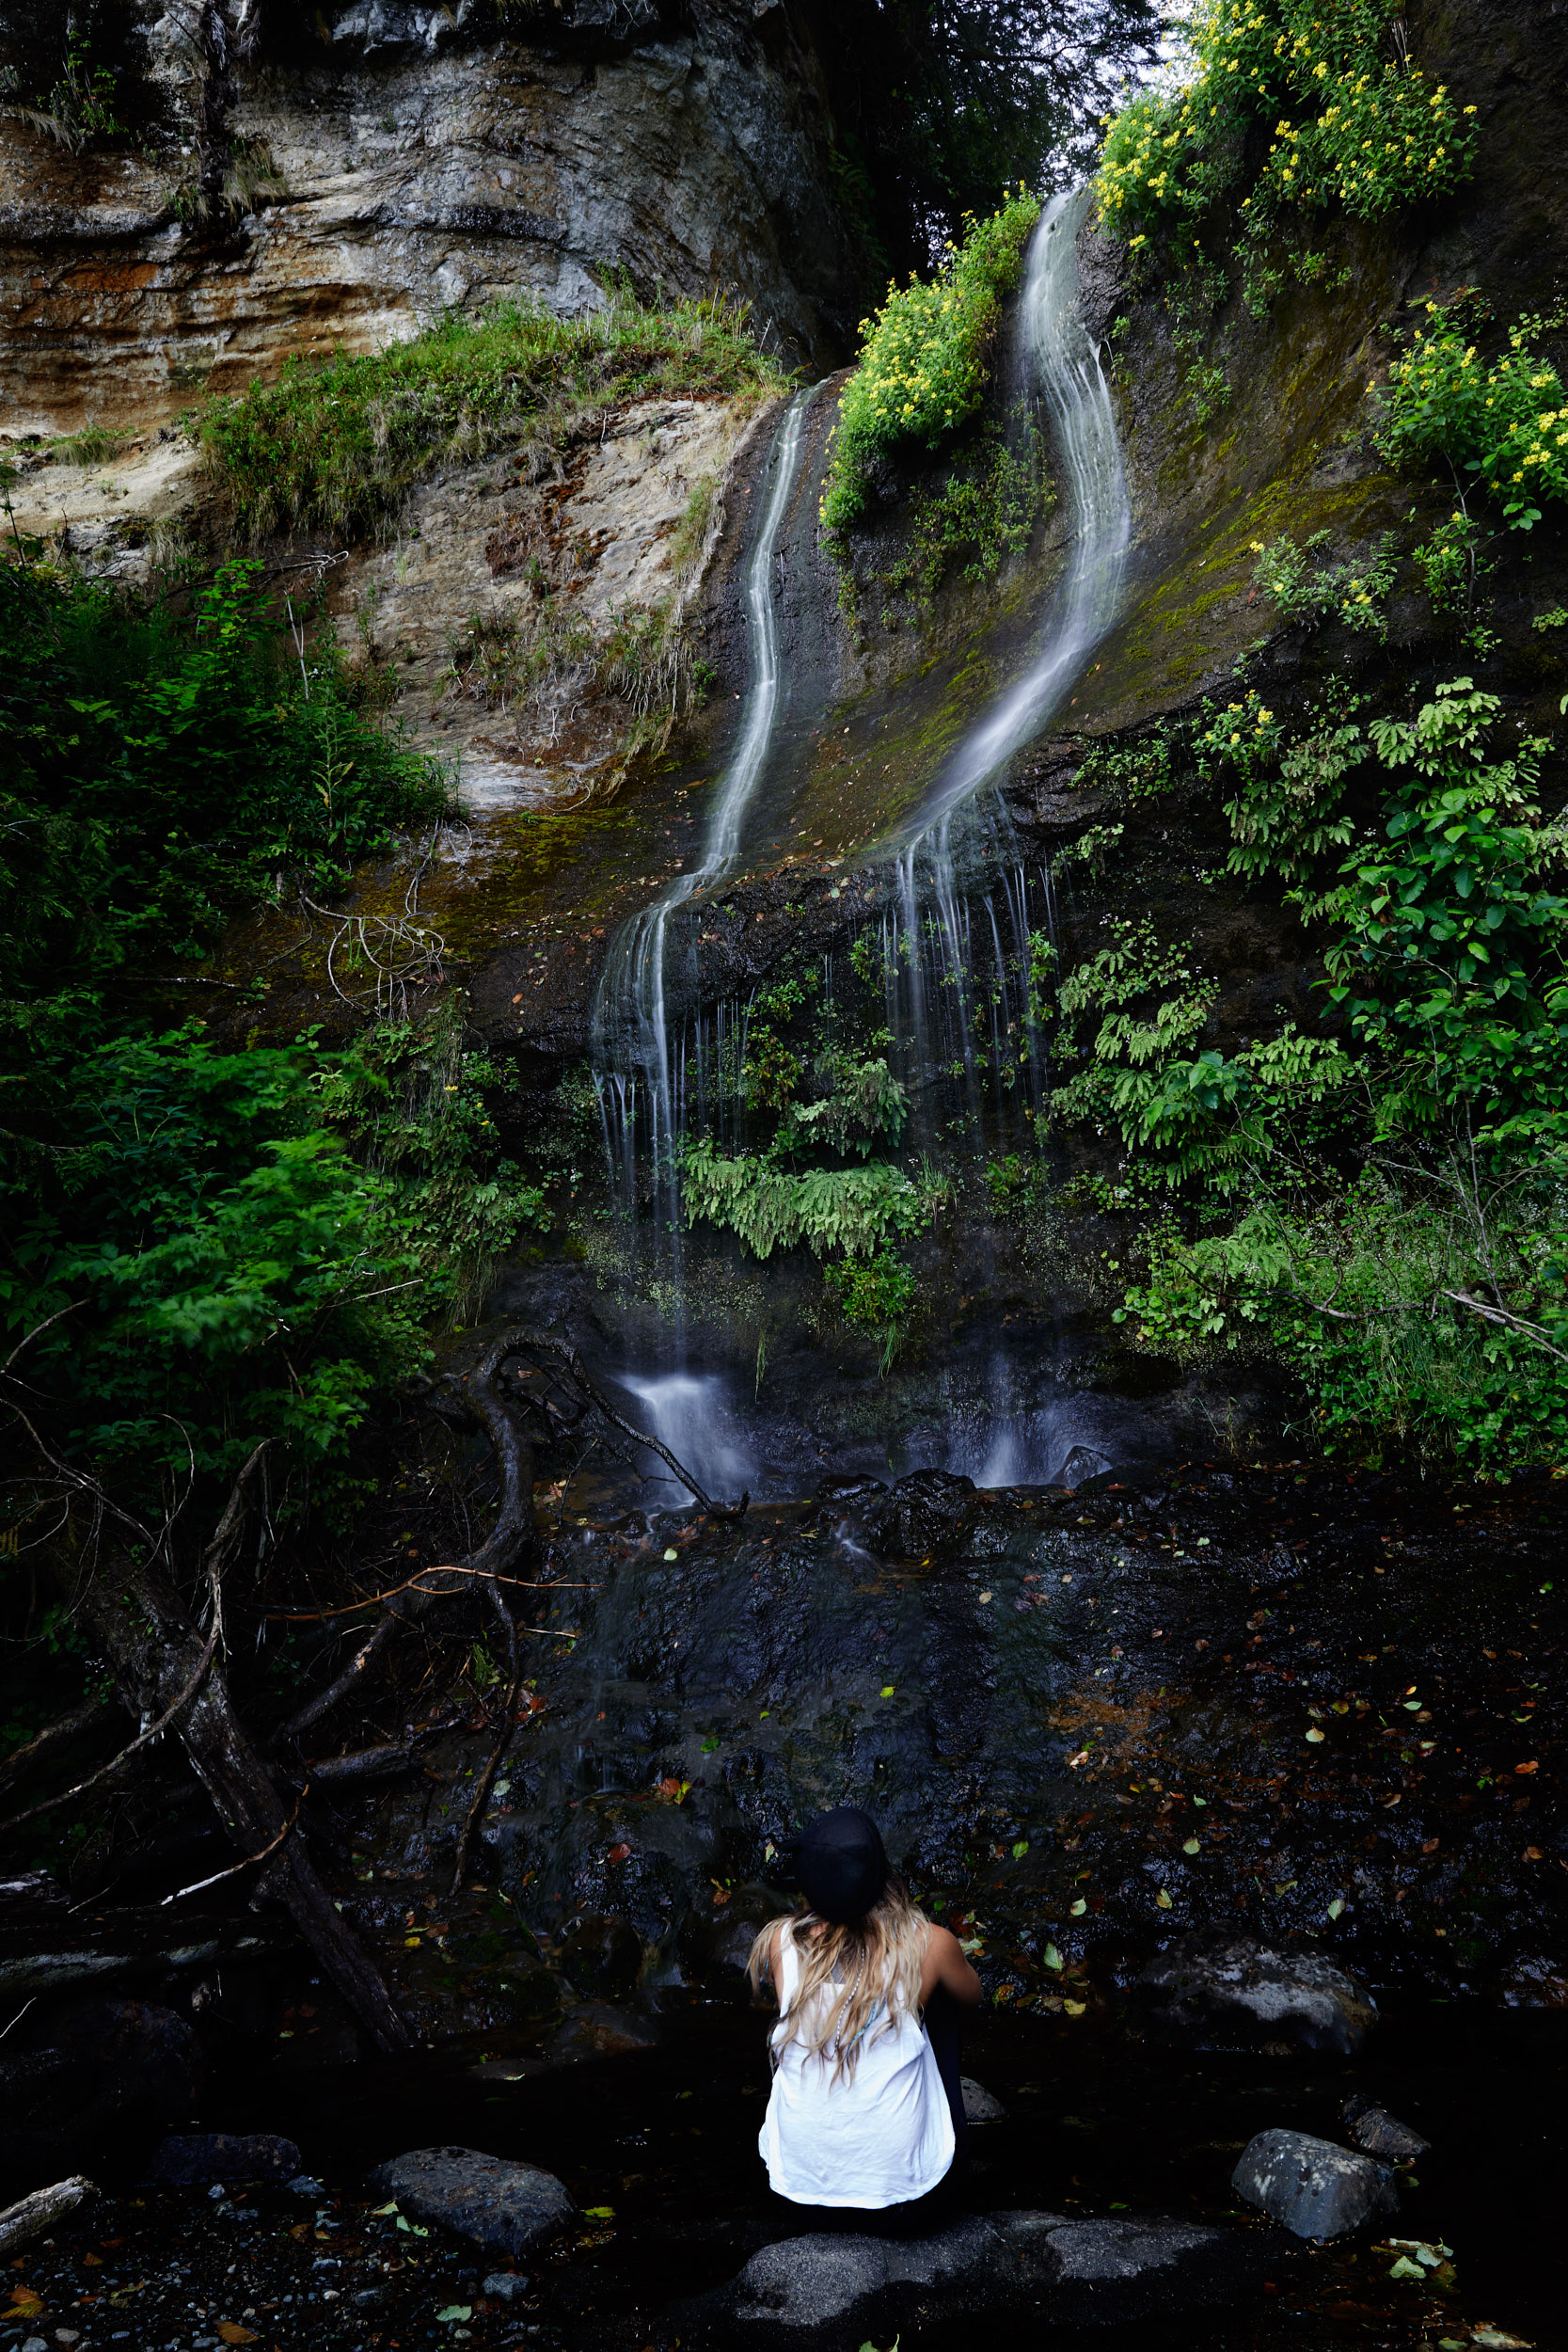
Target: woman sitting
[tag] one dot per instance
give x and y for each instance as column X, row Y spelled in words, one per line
column 865, row 2112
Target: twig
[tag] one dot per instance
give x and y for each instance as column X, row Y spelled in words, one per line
column 245, row 1861
column 318, row 1616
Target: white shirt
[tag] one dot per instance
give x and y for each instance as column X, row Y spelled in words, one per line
column 877, row 2138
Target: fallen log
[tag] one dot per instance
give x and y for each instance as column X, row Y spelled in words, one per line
column 30, row 2218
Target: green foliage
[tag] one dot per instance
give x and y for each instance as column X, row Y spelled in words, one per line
column 926, row 357
column 771, row 1206
column 222, row 1265
column 1356, row 592
column 983, row 512
column 876, row 1295
column 163, row 772
column 1347, row 124
column 1424, row 1305
column 337, row 445
column 1506, row 423
column 78, row 109
column 1286, row 814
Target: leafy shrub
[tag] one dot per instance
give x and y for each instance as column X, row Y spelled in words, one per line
column 1286, row 812
column 983, row 512
column 1349, row 125
column 338, row 444
column 772, row 1207
column 164, row 771
column 1354, row 592
column 926, row 357
column 1506, row 423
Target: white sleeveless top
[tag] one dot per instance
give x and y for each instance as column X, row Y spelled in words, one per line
column 877, row 2138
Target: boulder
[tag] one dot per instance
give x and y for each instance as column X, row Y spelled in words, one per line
column 192, row 2159
column 1381, row 2133
column 980, row 2105
column 505, row 2208
column 1219, row 1992
column 1310, row 2187
column 1064, row 2272
column 929, row 1511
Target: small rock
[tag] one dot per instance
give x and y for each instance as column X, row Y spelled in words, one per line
column 370, row 2298
column 1314, row 2189
column 602, row 1955
column 191, row 2159
column 35, row 2343
column 980, row 2106
column 1113, row 2273
column 1381, row 2133
column 925, row 1510
column 505, row 2208
column 506, row 2286
column 1534, row 1982
column 305, row 2185
column 1228, row 1992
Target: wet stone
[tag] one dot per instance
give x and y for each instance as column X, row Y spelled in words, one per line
column 925, row 1512
column 190, row 2161
column 506, row 2286
column 505, row 2208
column 979, row 2106
column 1224, row 1993
column 1311, row 2187
column 1381, row 2133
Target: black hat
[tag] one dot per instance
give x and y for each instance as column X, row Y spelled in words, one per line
column 841, row 1865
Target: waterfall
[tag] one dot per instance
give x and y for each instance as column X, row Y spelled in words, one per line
column 640, row 1072
column 962, row 828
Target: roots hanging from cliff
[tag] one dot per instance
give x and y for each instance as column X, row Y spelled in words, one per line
column 163, row 1624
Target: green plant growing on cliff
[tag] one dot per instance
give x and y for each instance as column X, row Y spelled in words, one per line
column 1354, row 592
column 983, row 512
column 1286, row 812
column 338, row 444
column 1352, row 120
column 1505, row 425
column 1425, row 1304
column 925, row 359
column 78, row 110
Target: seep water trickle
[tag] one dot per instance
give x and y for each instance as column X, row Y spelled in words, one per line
column 640, row 1052
column 961, row 889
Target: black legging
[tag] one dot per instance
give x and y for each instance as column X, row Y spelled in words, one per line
column 941, row 2025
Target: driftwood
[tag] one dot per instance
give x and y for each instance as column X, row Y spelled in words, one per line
column 21, row 2223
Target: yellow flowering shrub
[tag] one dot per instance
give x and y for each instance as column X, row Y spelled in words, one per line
column 1506, row 423
column 1349, row 124
column 926, row 356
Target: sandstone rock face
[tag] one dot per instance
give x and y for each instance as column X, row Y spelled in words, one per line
column 395, row 161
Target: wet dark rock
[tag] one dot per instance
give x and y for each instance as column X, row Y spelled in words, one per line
column 926, row 1511
column 1311, row 2187
column 602, row 1955
column 1083, row 1463
column 1534, row 1982
column 506, row 2286
column 88, row 2073
column 505, row 2208
column 848, row 1489
column 1381, row 2133
column 1220, row 1992
column 979, row 2106
column 1105, row 2273
column 190, row 2161
column 597, row 2029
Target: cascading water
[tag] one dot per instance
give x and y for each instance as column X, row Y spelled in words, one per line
column 962, row 839
column 640, row 1086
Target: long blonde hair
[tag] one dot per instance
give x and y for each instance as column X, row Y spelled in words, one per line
column 877, row 1964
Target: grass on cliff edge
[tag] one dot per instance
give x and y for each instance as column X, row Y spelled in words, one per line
column 337, row 444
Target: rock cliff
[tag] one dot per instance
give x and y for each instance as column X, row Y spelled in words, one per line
column 291, row 181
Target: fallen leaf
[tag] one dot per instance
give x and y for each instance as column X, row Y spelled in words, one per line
column 1021, row 1847
column 1531, row 1767
column 1404, row 2268
column 453, row 2311
column 669, row 1553
column 1316, row 1738
column 24, row 2303
column 1076, row 2008
column 618, row 1854
column 1336, row 1907
column 887, row 1690
column 599, row 2213
column 232, row 2332
column 1077, row 1910
column 1163, row 1900
column 1052, row 1956
column 1073, row 1761
column 1192, row 1845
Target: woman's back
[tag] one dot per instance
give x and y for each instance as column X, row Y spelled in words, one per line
column 872, row 2132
